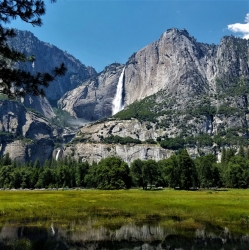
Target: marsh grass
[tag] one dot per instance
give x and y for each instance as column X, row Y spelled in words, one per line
column 170, row 208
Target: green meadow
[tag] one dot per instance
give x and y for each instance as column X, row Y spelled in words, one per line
column 184, row 210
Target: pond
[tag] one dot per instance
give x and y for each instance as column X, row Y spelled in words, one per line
column 86, row 235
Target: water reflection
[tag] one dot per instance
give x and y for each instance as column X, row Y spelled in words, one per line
column 131, row 236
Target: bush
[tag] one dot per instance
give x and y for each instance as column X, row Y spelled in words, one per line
column 172, row 143
column 151, row 141
column 122, row 140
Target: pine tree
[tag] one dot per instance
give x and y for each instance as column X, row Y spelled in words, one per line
column 223, row 156
column 241, row 152
column 16, row 82
column 188, row 171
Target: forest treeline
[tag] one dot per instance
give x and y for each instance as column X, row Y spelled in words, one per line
column 179, row 170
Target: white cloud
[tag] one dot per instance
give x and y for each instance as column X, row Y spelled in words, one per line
column 241, row 27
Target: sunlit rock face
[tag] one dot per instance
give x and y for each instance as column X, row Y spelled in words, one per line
column 182, row 66
column 176, row 64
column 190, row 88
column 93, row 100
column 177, row 75
column 93, row 152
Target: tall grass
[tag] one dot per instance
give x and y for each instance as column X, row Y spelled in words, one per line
column 180, row 209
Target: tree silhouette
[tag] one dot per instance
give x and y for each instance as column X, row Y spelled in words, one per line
column 15, row 82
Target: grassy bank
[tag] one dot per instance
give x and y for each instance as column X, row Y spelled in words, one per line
column 179, row 209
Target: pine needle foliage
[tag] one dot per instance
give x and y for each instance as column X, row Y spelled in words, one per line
column 15, row 82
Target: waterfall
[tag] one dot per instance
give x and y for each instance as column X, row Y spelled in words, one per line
column 33, row 64
column 57, row 155
column 117, row 101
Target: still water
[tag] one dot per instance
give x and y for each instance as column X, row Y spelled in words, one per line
column 84, row 235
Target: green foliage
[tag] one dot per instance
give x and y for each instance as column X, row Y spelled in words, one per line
column 36, row 112
column 172, row 143
column 146, row 173
column 232, row 86
column 237, row 172
column 190, row 141
column 16, row 82
column 3, row 97
column 178, row 170
column 138, row 174
column 188, row 174
column 204, row 140
column 61, row 119
column 77, row 139
column 170, row 171
column 203, row 109
column 226, row 110
column 151, row 141
column 122, row 140
column 141, row 110
column 208, row 172
column 112, row 173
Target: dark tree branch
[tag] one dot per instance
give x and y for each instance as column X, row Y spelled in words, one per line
column 16, row 82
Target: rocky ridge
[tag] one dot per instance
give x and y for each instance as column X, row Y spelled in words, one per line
column 47, row 57
column 93, row 99
column 25, row 135
column 177, row 93
column 177, row 88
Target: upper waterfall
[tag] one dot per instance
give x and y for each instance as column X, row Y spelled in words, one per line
column 117, row 101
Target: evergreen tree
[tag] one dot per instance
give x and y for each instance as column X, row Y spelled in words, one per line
column 241, row 152
column 171, row 171
column 6, row 160
column 80, row 173
column 223, row 156
column 237, row 172
column 247, row 154
column 113, row 173
column 207, row 171
column 137, row 173
column 16, row 82
column 188, row 175
column 229, row 154
column 91, row 177
column 150, row 172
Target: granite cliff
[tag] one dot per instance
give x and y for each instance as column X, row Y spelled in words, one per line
column 47, row 57
column 93, row 99
column 177, row 93
column 25, row 135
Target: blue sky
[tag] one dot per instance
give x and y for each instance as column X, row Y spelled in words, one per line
column 100, row 32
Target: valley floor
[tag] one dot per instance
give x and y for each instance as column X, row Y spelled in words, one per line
column 184, row 210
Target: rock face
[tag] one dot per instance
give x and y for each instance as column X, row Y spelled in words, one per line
column 95, row 152
column 47, row 57
column 41, row 104
column 24, row 135
column 182, row 67
column 176, row 64
column 176, row 88
column 93, row 99
column 173, row 88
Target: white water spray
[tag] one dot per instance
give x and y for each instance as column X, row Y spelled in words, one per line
column 117, row 101
column 57, row 155
column 33, row 65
